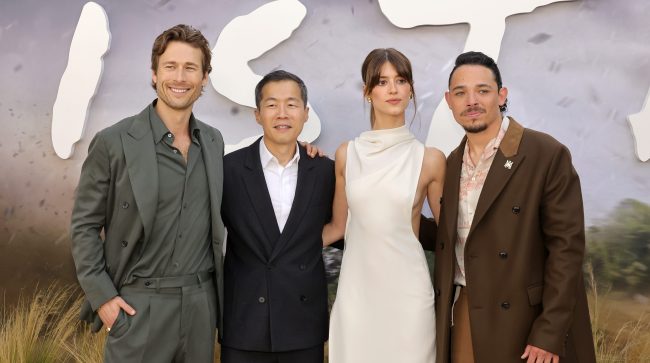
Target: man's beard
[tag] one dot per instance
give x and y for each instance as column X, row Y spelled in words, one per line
column 474, row 129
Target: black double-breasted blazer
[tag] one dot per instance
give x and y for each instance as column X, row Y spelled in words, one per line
column 275, row 287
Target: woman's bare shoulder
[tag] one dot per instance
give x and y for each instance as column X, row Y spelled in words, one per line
column 433, row 156
column 434, row 163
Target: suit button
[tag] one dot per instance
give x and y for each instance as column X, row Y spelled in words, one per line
column 125, row 205
column 125, row 243
column 269, row 267
column 505, row 305
column 503, row 254
column 437, row 292
column 302, row 267
column 516, row 209
column 261, row 299
column 303, row 298
column 148, row 283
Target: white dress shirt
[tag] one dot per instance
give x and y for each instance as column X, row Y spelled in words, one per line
column 281, row 182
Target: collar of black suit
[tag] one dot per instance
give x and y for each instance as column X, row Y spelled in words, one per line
column 253, row 160
column 258, row 193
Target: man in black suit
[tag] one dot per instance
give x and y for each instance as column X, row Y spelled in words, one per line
column 276, row 201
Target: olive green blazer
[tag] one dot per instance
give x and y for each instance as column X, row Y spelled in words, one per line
column 116, row 203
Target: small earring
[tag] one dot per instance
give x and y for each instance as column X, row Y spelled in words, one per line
column 411, row 96
column 369, row 100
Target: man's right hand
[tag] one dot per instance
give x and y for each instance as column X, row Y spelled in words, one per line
column 109, row 311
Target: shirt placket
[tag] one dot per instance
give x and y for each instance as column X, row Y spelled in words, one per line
column 174, row 261
column 464, row 218
column 474, row 189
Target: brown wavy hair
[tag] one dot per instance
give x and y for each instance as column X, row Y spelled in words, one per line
column 371, row 71
column 181, row 33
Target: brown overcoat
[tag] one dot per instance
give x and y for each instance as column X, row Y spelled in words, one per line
column 523, row 256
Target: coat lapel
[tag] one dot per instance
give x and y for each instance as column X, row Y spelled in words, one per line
column 451, row 190
column 259, row 196
column 140, row 155
column 505, row 164
column 212, row 152
column 301, row 199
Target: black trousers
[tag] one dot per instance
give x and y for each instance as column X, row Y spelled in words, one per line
column 309, row 355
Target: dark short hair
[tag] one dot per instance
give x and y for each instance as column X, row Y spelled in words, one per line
column 371, row 70
column 480, row 59
column 277, row 76
column 181, row 33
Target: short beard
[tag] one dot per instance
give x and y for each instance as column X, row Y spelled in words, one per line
column 475, row 129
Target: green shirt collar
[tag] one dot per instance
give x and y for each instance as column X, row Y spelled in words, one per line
column 161, row 131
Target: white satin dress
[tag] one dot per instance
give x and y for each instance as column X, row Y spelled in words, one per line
column 384, row 309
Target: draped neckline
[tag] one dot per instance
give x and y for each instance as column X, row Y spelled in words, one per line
column 374, row 141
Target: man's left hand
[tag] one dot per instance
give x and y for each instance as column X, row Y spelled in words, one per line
column 312, row 150
column 537, row 355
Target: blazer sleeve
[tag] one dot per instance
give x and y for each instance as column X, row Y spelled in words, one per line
column 428, row 233
column 88, row 220
column 331, row 182
column 562, row 223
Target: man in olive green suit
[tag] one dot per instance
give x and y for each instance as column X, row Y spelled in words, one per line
column 146, row 225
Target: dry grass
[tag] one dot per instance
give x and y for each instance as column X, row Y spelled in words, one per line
column 34, row 330
column 621, row 326
column 86, row 347
column 46, row 329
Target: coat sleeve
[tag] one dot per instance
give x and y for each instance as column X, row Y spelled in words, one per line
column 428, row 233
column 331, row 182
column 88, row 221
column 562, row 224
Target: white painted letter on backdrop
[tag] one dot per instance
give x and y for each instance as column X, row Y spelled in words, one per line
column 487, row 25
column 640, row 125
column 80, row 79
column 248, row 37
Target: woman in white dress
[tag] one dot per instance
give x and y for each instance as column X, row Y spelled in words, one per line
column 384, row 309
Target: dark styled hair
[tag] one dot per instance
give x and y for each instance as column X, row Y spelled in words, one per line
column 181, row 33
column 480, row 59
column 371, row 70
column 277, row 76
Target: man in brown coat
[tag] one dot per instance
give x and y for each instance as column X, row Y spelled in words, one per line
column 510, row 245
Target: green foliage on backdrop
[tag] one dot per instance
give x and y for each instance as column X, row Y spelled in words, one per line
column 618, row 248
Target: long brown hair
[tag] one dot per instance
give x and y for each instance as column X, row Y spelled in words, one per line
column 371, row 71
